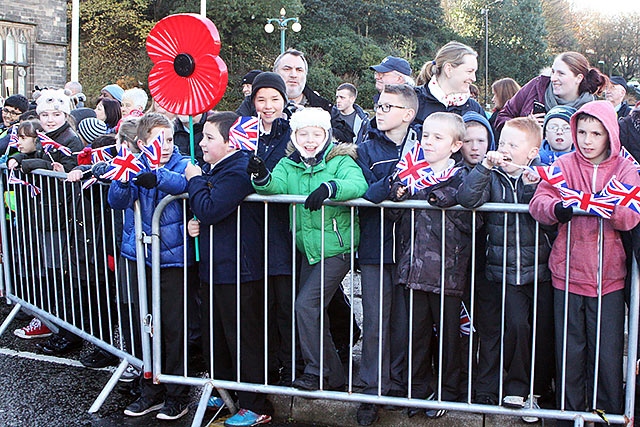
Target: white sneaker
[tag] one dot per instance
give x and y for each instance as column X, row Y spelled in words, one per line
column 515, row 402
column 531, row 403
column 130, row 374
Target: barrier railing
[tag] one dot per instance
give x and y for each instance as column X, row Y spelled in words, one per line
column 56, row 266
column 209, row 382
column 60, row 264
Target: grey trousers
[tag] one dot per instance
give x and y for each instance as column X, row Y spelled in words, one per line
column 308, row 317
column 393, row 332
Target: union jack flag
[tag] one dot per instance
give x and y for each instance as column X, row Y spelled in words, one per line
column 33, row 190
column 89, row 182
column 434, row 178
column 153, row 150
column 465, row 321
column 626, row 194
column 593, row 203
column 49, row 144
column 412, row 168
column 243, row 135
column 13, row 137
column 627, row 155
column 552, row 174
column 101, row 154
column 123, row 167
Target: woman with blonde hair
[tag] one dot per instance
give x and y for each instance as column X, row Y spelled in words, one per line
column 447, row 80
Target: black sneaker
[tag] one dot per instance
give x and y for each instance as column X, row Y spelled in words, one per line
column 143, row 406
column 99, row 359
column 173, row 410
column 310, row 382
column 307, row 382
column 367, row 414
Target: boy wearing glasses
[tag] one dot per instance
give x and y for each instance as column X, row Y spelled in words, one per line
column 14, row 106
column 557, row 134
column 390, row 137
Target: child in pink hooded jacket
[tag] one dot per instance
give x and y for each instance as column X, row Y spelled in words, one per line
column 596, row 160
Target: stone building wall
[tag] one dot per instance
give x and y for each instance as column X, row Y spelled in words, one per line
column 42, row 25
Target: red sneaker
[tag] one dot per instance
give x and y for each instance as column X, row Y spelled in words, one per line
column 35, row 329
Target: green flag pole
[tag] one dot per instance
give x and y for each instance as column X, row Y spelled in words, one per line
column 192, row 146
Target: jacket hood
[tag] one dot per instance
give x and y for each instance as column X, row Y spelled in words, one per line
column 332, row 150
column 472, row 116
column 605, row 113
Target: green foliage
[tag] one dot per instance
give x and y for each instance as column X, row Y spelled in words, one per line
column 113, row 34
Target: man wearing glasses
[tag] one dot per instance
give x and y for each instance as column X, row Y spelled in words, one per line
column 14, row 106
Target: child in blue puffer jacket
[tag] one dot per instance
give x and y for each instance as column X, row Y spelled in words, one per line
column 149, row 188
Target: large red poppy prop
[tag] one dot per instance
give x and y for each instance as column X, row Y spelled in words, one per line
column 188, row 76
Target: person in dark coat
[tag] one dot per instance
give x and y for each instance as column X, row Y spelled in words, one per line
column 448, row 79
column 615, row 93
column 292, row 66
column 389, row 139
column 420, row 261
column 518, row 148
column 216, row 192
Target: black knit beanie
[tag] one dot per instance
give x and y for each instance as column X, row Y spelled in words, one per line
column 269, row 79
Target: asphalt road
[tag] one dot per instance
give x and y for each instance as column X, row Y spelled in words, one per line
column 39, row 390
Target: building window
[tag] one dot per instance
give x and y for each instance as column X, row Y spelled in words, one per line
column 16, row 46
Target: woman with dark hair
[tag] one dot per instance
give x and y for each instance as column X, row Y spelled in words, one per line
column 572, row 83
column 502, row 90
column 108, row 110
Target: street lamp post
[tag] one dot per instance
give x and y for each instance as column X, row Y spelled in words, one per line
column 282, row 25
column 485, row 11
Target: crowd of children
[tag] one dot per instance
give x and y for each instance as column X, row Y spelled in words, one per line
column 418, row 267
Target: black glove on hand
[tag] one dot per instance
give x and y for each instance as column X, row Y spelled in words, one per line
column 317, row 196
column 563, row 214
column 146, row 180
column 257, row 168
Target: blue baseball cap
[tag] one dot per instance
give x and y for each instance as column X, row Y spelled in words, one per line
column 393, row 63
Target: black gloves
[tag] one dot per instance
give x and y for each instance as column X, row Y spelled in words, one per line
column 147, row 180
column 314, row 200
column 257, row 168
column 563, row 214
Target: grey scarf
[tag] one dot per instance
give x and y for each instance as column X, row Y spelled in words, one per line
column 550, row 100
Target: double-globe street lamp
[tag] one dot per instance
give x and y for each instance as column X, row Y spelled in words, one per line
column 282, row 25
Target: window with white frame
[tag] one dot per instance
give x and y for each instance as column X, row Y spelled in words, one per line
column 16, row 47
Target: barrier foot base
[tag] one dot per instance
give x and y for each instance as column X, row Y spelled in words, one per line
column 9, row 318
column 109, row 387
column 202, row 406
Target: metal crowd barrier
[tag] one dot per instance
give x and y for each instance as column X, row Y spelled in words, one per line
column 60, row 264
column 352, row 393
column 45, row 272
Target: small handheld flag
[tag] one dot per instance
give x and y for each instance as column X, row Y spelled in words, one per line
column 153, row 151
column 551, row 174
column 34, row 191
column 412, row 167
column 49, row 145
column 243, row 135
column 13, row 137
column 625, row 194
column 627, row 155
column 593, row 203
column 123, row 167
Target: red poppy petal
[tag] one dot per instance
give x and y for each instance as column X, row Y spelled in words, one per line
column 198, row 37
column 192, row 95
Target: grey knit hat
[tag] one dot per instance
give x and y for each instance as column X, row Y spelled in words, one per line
column 91, row 128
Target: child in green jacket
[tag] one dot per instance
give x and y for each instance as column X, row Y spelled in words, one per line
column 317, row 167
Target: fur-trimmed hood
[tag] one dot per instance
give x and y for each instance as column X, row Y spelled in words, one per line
column 333, row 149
